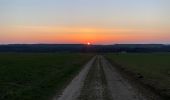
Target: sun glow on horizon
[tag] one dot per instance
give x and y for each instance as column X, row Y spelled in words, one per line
column 52, row 34
column 88, row 43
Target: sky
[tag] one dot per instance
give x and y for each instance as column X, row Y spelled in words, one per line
column 83, row 21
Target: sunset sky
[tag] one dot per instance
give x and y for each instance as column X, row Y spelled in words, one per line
column 83, row 21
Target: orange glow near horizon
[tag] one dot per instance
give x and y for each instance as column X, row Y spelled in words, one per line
column 79, row 35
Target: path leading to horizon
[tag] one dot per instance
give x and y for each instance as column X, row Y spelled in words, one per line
column 99, row 80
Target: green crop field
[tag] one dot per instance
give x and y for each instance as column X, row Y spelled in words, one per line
column 37, row 76
column 154, row 67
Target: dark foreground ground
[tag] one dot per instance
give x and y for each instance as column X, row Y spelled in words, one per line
column 42, row 76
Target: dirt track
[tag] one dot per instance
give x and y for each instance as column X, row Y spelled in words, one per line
column 99, row 80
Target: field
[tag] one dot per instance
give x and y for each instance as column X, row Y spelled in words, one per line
column 153, row 68
column 37, row 76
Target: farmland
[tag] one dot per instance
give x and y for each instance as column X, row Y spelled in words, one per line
column 153, row 68
column 41, row 76
column 37, row 76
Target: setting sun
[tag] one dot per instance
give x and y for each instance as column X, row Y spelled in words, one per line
column 88, row 43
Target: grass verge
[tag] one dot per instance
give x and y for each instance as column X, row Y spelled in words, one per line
column 37, row 76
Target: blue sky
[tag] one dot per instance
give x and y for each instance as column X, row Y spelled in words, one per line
column 107, row 14
column 52, row 12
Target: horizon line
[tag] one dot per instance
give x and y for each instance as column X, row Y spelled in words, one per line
column 84, row 44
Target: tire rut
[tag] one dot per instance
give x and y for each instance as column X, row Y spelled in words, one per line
column 95, row 85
